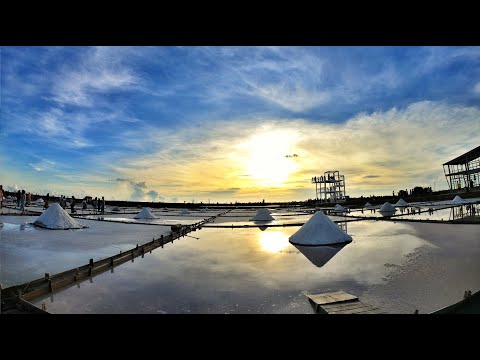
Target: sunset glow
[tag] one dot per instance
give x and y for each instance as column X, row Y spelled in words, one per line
column 227, row 124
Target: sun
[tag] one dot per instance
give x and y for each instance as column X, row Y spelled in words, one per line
column 266, row 159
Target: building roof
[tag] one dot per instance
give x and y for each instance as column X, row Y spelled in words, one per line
column 463, row 159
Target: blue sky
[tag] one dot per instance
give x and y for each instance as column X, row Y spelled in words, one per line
column 200, row 123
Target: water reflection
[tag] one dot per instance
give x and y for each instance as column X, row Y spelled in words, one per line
column 387, row 213
column 273, row 241
column 240, row 266
column 470, row 211
column 319, row 255
column 343, row 225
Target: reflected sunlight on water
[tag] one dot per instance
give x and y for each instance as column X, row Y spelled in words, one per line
column 273, row 241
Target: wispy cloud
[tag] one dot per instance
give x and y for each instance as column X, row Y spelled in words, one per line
column 476, row 88
column 377, row 151
column 43, row 165
column 98, row 72
column 178, row 118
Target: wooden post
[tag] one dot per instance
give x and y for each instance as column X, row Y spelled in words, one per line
column 91, row 262
column 50, row 286
column 47, row 275
column 111, row 261
column 90, row 270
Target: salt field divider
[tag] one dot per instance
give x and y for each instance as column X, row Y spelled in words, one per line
column 15, row 297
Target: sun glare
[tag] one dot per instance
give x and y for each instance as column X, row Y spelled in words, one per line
column 270, row 159
column 273, row 241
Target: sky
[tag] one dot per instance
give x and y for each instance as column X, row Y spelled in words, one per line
column 221, row 124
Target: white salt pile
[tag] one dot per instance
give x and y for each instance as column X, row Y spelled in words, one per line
column 263, row 215
column 319, row 230
column 145, row 214
column 401, row 202
column 116, row 209
column 387, row 209
column 55, row 218
column 338, row 208
column 184, row 212
column 40, row 201
column 457, row 200
column 367, row 205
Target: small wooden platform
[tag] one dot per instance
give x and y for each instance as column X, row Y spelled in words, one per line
column 340, row 302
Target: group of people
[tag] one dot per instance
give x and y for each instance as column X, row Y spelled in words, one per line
column 99, row 205
column 316, row 179
column 63, row 203
column 24, row 198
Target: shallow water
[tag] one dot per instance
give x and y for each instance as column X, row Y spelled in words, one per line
column 438, row 214
column 28, row 252
column 399, row 267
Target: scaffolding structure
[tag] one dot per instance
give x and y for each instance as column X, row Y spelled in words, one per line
column 464, row 170
column 330, row 188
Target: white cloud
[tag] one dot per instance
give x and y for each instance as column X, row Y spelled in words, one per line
column 476, row 88
column 133, row 190
column 401, row 147
column 99, row 71
column 43, row 165
column 292, row 96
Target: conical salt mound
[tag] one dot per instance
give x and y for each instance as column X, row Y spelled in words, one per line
column 387, row 207
column 367, row 205
column 56, row 218
column 145, row 214
column 457, row 200
column 319, row 230
column 184, row 212
column 263, row 215
column 339, row 207
column 40, row 201
column 401, row 202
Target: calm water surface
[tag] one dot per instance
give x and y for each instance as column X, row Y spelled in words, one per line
column 399, row 267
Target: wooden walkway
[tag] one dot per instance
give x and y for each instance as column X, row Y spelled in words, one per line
column 340, row 302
